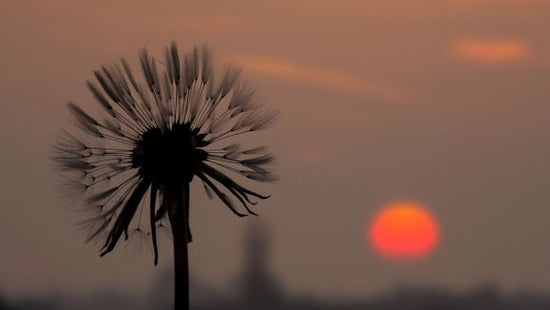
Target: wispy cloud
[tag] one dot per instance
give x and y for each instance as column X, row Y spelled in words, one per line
column 294, row 71
column 490, row 51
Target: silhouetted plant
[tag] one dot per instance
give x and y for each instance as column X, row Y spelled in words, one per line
column 154, row 140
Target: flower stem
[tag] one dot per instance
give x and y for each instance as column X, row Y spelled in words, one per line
column 178, row 220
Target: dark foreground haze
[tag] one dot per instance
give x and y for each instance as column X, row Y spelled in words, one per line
column 256, row 287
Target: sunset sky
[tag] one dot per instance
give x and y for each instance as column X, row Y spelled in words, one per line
column 443, row 102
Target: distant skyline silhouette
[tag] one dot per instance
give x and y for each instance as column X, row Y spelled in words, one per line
column 257, row 287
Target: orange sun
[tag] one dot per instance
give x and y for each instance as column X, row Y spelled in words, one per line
column 403, row 231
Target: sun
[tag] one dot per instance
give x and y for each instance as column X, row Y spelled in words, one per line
column 403, row 231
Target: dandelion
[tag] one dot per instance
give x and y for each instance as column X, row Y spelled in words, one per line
column 137, row 162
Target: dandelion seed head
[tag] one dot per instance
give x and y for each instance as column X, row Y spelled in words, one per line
column 161, row 128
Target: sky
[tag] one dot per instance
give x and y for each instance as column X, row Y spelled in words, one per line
column 441, row 102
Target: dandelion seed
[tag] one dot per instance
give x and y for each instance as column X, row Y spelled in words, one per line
column 154, row 140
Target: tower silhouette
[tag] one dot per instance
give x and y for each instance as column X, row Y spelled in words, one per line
column 260, row 289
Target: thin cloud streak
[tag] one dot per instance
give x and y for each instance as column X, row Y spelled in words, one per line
column 490, row 51
column 297, row 72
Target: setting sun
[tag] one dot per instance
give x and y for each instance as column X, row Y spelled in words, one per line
column 403, row 231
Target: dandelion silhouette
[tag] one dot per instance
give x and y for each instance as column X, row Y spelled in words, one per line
column 154, row 140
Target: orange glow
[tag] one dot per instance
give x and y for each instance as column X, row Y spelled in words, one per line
column 404, row 230
column 299, row 72
column 490, row 52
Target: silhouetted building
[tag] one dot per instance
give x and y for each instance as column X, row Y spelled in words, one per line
column 260, row 289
